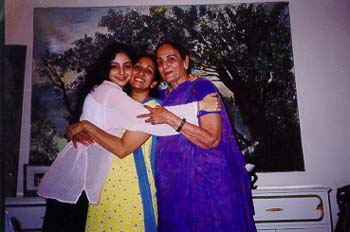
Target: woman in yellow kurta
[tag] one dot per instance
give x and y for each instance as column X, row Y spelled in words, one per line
column 128, row 201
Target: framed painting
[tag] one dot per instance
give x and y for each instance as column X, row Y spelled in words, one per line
column 244, row 49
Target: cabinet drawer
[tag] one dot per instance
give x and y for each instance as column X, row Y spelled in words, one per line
column 304, row 230
column 288, row 208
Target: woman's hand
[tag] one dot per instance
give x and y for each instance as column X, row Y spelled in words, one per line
column 76, row 128
column 78, row 134
column 156, row 115
column 210, row 103
column 83, row 138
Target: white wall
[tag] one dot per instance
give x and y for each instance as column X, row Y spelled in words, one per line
column 321, row 47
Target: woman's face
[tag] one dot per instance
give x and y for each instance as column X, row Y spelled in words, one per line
column 143, row 74
column 121, row 69
column 171, row 66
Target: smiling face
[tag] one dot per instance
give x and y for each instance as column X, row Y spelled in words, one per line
column 121, row 69
column 143, row 74
column 172, row 67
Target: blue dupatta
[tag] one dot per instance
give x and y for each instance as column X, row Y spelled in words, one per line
column 145, row 191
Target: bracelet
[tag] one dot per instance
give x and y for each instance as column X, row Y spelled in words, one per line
column 198, row 109
column 181, row 125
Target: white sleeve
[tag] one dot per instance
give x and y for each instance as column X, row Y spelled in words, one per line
column 121, row 111
column 188, row 111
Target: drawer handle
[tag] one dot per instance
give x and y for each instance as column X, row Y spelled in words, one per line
column 319, row 206
column 273, row 209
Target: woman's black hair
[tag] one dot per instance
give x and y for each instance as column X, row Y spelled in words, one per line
column 181, row 49
column 99, row 71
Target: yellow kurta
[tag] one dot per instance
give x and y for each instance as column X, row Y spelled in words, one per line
column 120, row 205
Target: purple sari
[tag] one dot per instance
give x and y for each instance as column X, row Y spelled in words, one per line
column 197, row 189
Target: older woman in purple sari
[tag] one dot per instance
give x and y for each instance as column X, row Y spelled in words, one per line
column 201, row 181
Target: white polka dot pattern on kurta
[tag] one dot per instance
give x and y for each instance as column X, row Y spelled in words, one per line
column 120, row 206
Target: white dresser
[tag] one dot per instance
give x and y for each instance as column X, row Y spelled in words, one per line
column 292, row 209
column 280, row 209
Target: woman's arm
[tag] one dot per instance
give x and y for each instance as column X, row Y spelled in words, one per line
column 86, row 133
column 131, row 140
column 206, row 136
column 210, row 103
column 121, row 112
column 78, row 132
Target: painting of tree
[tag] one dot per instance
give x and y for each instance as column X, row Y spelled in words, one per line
column 244, row 49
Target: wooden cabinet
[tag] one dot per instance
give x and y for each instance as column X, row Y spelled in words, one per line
column 292, row 209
